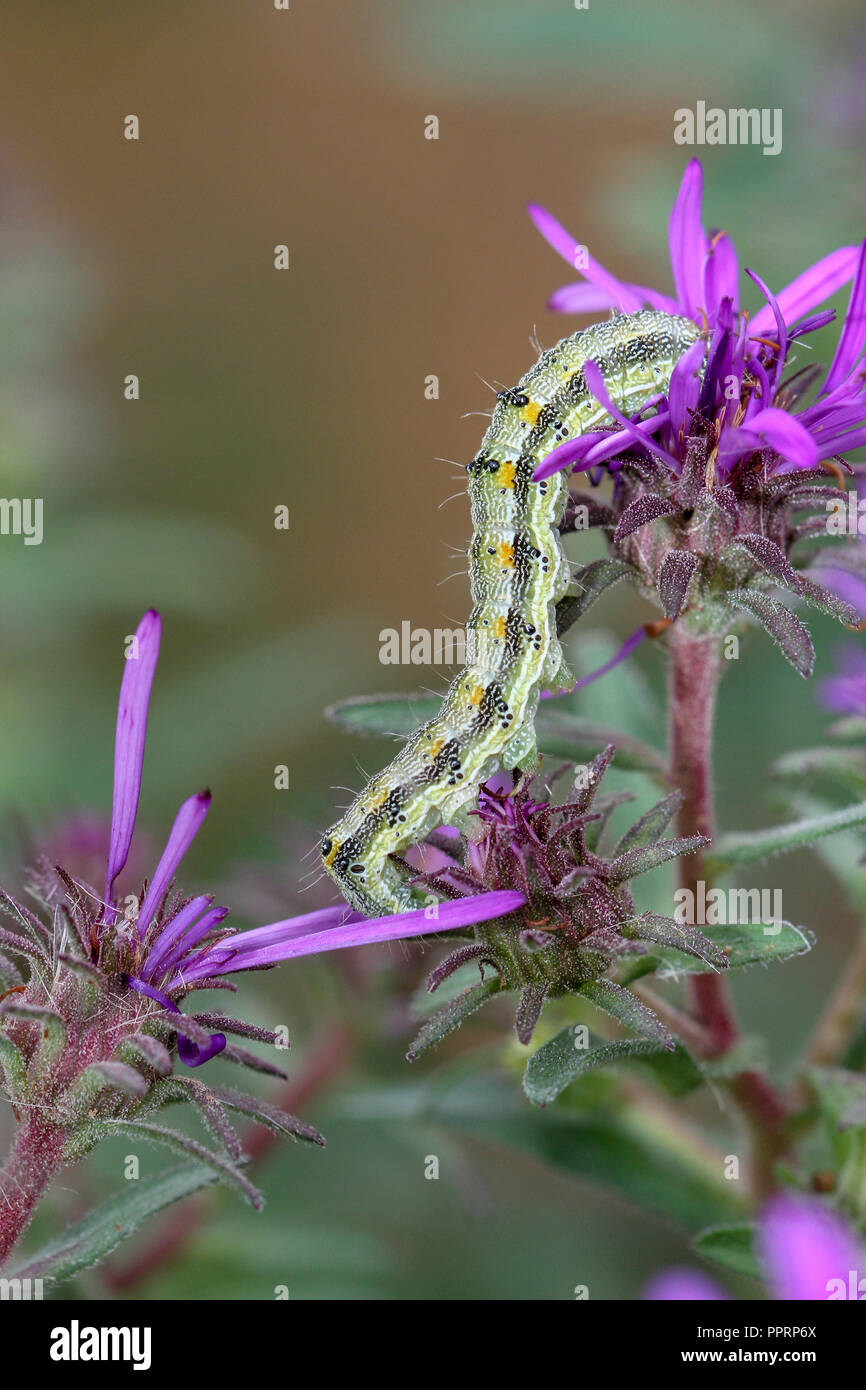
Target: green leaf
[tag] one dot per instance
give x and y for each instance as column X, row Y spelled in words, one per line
column 559, row 735
column 731, row 1246
column 93, row 1237
column 664, row 931
column 651, row 825
column 267, row 1115
column 559, row 1062
column 781, row 839
column 172, row 1139
column 455, row 1011
column 741, row 945
column 627, row 1009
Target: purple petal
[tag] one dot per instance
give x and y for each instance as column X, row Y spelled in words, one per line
column 688, row 244
column 186, row 826
column 850, row 587
column 245, row 950
column 190, row 1053
column 595, row 382
column 171, row 932
column 683, row 1286
column 685, row 387
column 804, row 1246
column 811, row 324
column 184, row 944
column 810, row 289
column 624, row 652
column 721, row 274
column 563, row 456
column 566, row 246
column 778, row 359
column 853, row 336
column 783, row 432
column 129, row 743
column 579, row 298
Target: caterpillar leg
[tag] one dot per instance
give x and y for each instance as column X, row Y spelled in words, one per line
column 521, row 752
column 556, row 674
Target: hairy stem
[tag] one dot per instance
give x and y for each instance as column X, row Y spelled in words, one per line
column 694, row 678
column 33, row 1161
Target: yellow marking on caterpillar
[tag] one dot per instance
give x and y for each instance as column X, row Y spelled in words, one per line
column 435, row 749
column 505, row 555
column 506, row 474
column 530, row 413
column 498, row 630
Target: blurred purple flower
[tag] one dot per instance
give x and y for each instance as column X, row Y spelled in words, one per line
column 845, row 693
column 807, row 1252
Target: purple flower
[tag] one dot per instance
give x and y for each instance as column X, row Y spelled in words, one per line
column 157, row 946
column 739, row 395
column 575, row 915
column 806, row 1250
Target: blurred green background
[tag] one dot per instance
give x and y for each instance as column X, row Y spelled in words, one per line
column 306, row 388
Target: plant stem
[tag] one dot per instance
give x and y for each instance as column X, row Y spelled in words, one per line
column 33, row 1161
column 694, row 678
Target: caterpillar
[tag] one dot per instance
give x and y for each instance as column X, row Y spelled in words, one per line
column 518, row 572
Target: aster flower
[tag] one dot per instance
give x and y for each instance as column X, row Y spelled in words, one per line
column 90, row 1008
column 577, row 916
column 721, row 493
column 806, row 1250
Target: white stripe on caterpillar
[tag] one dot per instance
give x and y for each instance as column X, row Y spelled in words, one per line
column 518, row 572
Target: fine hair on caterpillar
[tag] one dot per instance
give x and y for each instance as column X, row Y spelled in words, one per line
column 518, row 573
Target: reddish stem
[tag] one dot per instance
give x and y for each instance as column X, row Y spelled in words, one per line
column 33, row 1161
column 695, row 672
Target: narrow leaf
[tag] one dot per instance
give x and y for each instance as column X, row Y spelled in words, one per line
column 785, row 628
column 452, row 1015
column 640, row 513
column 652, row 825
column 93, row 1237
column 674, row 576
column 752, row 845
column 268, row 1115
column 562, row 1060
column 627, row 1009
column 664, row 931
column 182, row 1144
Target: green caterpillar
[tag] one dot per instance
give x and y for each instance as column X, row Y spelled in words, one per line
column 518, row 572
